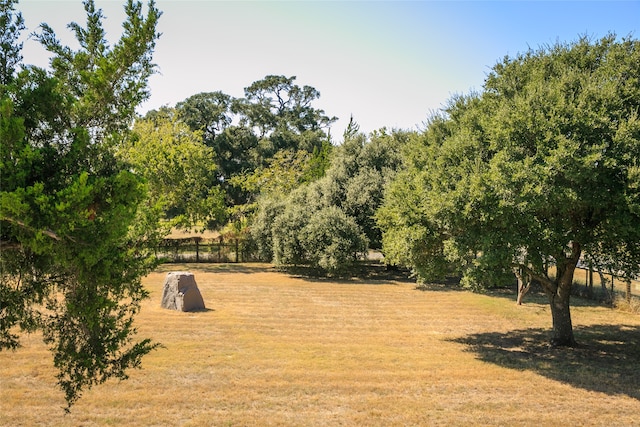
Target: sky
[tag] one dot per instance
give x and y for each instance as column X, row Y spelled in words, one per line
column 388, row 64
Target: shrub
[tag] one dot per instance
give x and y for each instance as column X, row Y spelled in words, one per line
column 332, row 240
column 261, row 232
column 287, row 235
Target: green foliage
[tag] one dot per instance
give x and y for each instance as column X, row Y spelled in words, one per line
column 333, row 240
column 285, row 171
column 295, row 129
column 251, row 135
column 209, row 113
column 286, row 232
column 98, row 76
column 328, row 223
column 323, row 238
column 72, row 252
column 261, row 227
column 237, row 150
column 410, row 234
column 358, row 174
column 11, row 25
column 277, row 103
column 179, row 170
column 541, row 166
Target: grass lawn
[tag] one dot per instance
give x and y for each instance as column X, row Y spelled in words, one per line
column 272, row 349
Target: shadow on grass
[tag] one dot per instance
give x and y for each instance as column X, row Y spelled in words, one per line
column 369, row 273
column 200, row 310
column 366, row 273
column 242, row 268
column 539, row 297
column 607, row 359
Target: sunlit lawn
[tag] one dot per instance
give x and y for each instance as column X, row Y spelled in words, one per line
column 278, row 350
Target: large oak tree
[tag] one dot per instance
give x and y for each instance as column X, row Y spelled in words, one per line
column 542, row 166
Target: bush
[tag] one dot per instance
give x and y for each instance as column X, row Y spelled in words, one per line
column 261, row 232
column 301, row 233
column 332, row 240
column 287, row 235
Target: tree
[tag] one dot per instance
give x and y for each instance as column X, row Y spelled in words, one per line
column 306, row 233
column 285, row 172
column 359, row 170
column 280, row 114
column 10, row 28
column 541, row 167
column 179, row 170
column 261, row 226
column 74, row 241
column 208, row 112
column 276, row 102
column 100, row 77
column 333, row 240
column 276, row 115
column 328, row 222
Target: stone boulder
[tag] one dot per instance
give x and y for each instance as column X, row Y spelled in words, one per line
column 181, row 292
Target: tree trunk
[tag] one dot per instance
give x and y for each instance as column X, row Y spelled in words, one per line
column 603, row 285
column 524, row 284
column 559, row 300
column 562, row 326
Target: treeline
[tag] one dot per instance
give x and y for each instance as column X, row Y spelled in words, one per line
column 544, row 152
column 264, row 169
column 204, row 158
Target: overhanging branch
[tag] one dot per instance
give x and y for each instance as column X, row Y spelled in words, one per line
column 21, row 224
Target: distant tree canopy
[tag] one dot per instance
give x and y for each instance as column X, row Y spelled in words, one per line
column 275, row 104
column 541, row 167
column 208, row 112
column 275, row 120
column 75, row 236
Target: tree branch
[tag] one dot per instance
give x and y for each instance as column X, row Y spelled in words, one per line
column 546, row 283
column 19, row 223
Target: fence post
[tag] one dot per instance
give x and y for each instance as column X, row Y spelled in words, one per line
column 612, row 280
column 237, row 250
column 197, row 239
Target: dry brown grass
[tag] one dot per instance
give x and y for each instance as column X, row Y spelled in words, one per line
column 277, row 350
column 184, row 234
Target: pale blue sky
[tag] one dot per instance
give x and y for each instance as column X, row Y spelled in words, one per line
column 389, row 63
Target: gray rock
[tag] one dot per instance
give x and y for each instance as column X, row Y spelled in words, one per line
column 181, row 292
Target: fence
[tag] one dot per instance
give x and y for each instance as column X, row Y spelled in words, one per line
column 221, row 249
column 594, row 284
column 199, row 249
